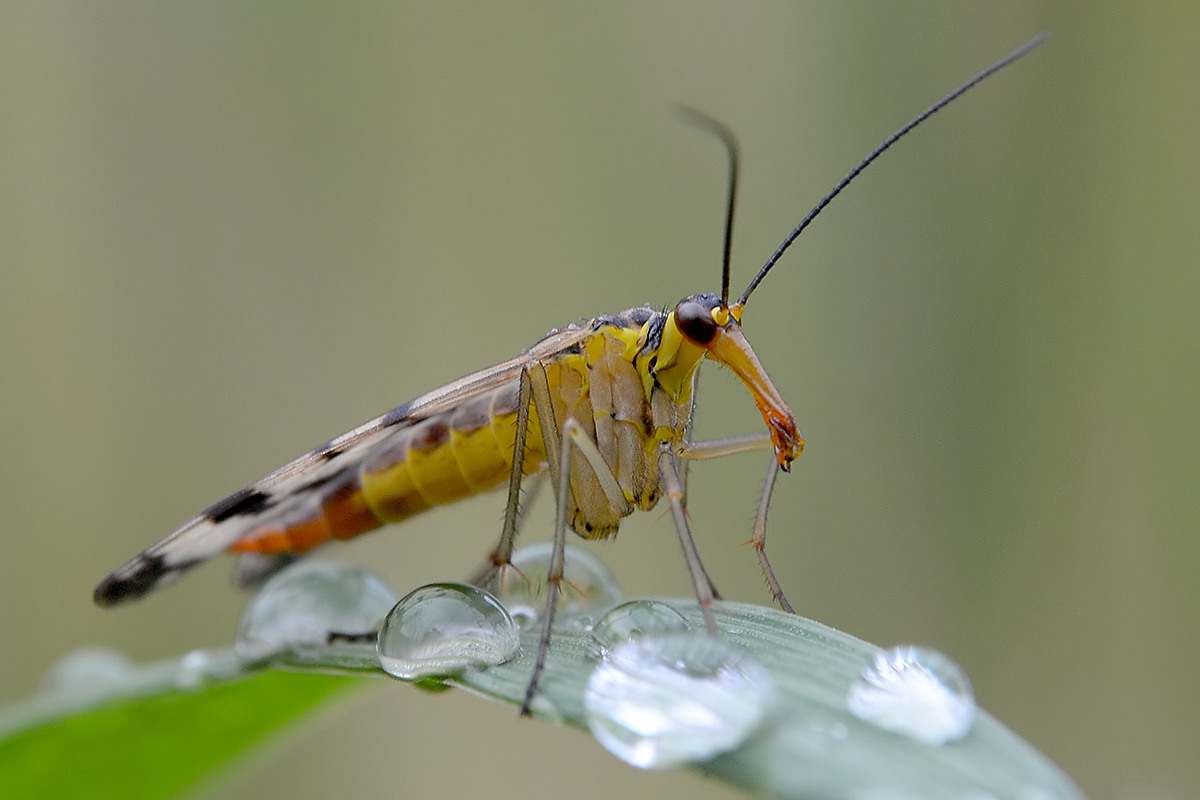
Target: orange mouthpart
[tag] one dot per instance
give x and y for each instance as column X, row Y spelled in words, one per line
column 729, row 347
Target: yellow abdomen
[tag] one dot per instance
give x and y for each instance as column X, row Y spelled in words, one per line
column 426, row 463
column 468, row 449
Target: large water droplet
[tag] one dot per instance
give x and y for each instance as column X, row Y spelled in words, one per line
column 445, row 628
column 634, row 619
column 916, row 692
column 312, row 603
column 588, row 586
column 660, row 701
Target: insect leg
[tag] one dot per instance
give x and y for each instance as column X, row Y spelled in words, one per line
column 725, row 446
column 715, row 448
column 682, row 466
column 668, row 467
column 573, row 435
column 553, row 577
column 501, row 556
column 759, row 539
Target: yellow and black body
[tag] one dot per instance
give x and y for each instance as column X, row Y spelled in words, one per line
column 627, row 379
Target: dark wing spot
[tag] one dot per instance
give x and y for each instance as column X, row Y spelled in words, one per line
column 430, row 434
column 128, row 584
column 245, row 501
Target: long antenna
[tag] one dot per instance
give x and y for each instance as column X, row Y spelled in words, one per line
column 878, row 151
column 722, row 132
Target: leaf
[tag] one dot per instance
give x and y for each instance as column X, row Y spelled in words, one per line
column 811, row 747
column 156, row 746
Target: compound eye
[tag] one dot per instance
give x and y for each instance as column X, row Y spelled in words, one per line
column 695, row 321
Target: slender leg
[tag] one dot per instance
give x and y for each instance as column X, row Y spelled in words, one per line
column 668, row 469
column 727, row 446
column 687, row 452
column 682, row 465
column 573, row 436
column 554, row 575
column 716, row 448
column 539, row 384
column 759, row 540
column 501, row 556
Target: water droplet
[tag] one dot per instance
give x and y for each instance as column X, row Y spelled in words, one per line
column 309, row 602
column 669, row 699
column 916, row 692
column 446, row 628
column 89, row 672
column 199, row 667
column 635, row 619
column 588, row 587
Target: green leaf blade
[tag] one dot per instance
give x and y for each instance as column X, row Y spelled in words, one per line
column 158, row 746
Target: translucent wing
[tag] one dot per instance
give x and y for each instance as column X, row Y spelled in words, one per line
column 307, row 482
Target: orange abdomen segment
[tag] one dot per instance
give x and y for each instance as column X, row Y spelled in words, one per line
column 416, row 466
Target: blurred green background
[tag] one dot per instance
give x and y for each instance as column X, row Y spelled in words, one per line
column 230, row 231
